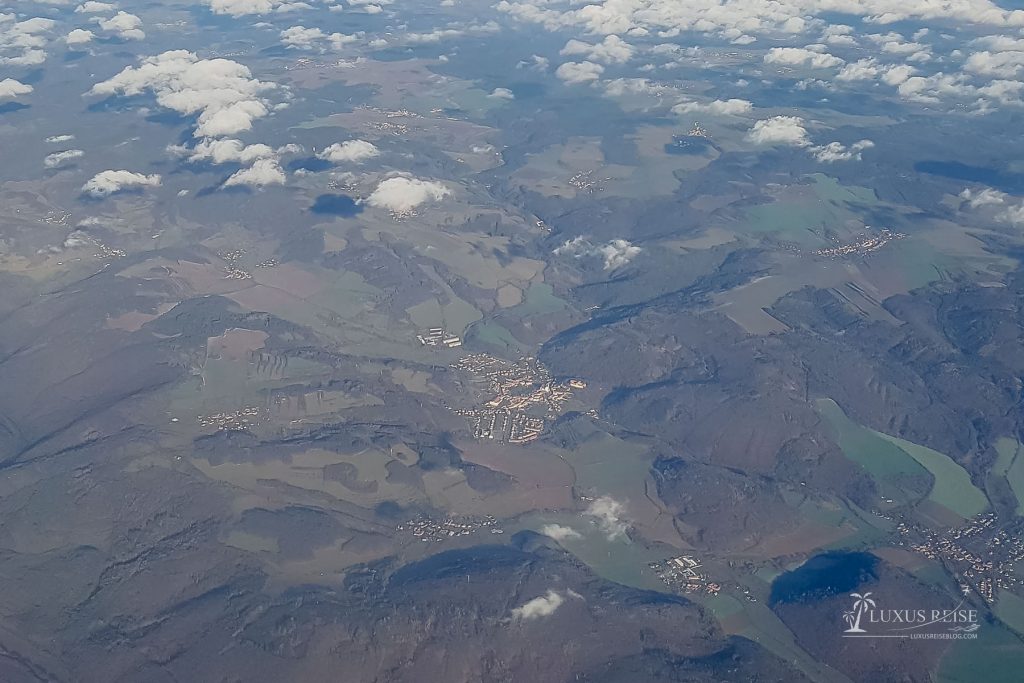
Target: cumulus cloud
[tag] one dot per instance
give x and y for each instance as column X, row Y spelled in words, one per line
column 54, row 139
column 94, row 7
column 861, row 70
column 672, row 17
column 302, row 38
column 263, row 172
column 10, row 88
column 559, row 532
column 542, row 606
column 612, row 50
column 800, row 56
column 1013, row 215
column 579, row 72
column 352, row 151
column 502, row 94
column 838, row 34
column 227, row 151
column 402, row 194
column 730, row 107
column 609, row 515
column 22, row 42
column 123, row 25
column 58, row 158
column 615, row 253
column 985, row 197
column 535, row 63
column 241, row 8
column 1008, row 64
column 79, row 36
column 837, row 151
column 779, row 130
column 617, row 87
column 222, row 92
column 106, row 183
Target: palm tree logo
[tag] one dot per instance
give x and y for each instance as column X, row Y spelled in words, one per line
column 861, row 604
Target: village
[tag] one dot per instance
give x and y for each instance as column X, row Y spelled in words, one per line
column 865, row 245
column 524, row 397
column 982, row 556
column 431, row 530
column 243, row 418
column 680, row 574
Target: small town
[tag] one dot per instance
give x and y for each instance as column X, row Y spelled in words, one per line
column 523, row 394
column 982, row 556
column 523, row 397
column 680, row 573
column 427, row 529
column 865, row 245
column 231, row 258
column 242, row 418
column 584, row 182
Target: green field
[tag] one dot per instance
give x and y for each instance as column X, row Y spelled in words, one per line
column 890, row 461
column 995, row 656
column 538, row 299
column 1010, row 466
column 490, row 332
column 1010, row 610
column 890, row 467
column 801, row 210
column 953, row 487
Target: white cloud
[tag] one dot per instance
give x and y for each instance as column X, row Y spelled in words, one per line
column 618, row 253
column 22, row 42
column 123, row 25
column 1006, row 64
column 985, row 197
column 53, row 139
column 94, row 7
column 1013, row 215
column 241, row 8
column 402, row 194
column 671, row 17
column 227, row 151
column 579, row 72
column 221, row 91
column 618, row 87
column 11, row 88
column 79, row 36
column 302, row 38
column 1001, row 43
column 107, row 183
column 897, row 74
column 836, row 151
column 353, row 151
column 861, row 70
column 542, row 606
column 502, row 94
column 535, row 63
column 263, row 172
column 609, row 515
column 779, row 130
column 559, row 532
column 799, row 56
column 615, row 253
column 58, row 158
column 838, row 34
column 730, row 107
column 612, row 50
